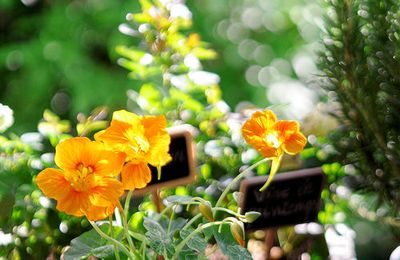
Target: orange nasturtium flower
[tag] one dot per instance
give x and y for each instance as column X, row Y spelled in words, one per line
column 272, row 137
column 85, row 184
column 144, row 140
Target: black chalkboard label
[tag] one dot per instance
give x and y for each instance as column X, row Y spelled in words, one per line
column 291, row 198
column 181, row 170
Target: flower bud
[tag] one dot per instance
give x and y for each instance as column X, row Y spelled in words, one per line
column 252, row 216
column 136, row 222
column 238, row 232
column 205, row 210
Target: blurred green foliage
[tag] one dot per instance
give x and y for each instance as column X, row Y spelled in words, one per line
column 362, row 65
column 58, row 55
column 62, row 55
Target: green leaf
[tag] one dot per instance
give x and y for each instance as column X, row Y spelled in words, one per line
column 208, row 233
column 151, row 97
column 224, row 238
column 103, row 251
column 196, row 243
column 91, row 243
column 228, row 244
column 6, row 207
column 159, row 240
column 204, row 54
column 176, row 199
column 90, row 126
column 186, row 100
column 237, row 196
column 238, row 252
column 188, row 255
column 136, row 222
column 132, row 54
column 82, row 245
column 177, row 224
column 193, row 105
column 150, row 92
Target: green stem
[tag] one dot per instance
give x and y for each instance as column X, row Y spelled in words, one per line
column 228, row 211
column 197, row 230
column 116, row 251
column 138, row 236
column 236, row 179
column 158, row 172
column 274, row 168
column 126, row 228
column 144, row 250
column 127, row 202
column 105, row 236
column 170, row 220
column 192, row 221
column 166, row 209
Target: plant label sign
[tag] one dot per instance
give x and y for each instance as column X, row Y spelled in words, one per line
column 181, row 170
column 291, row 198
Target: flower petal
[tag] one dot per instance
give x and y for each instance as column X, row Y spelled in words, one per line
column 109, row 163
column 256, row 128
column 125, row 137
column 116, row 134
column 159, row 140
column 135, row 176
column 74, row 203
column 95, row 213
column 78, row 150
column 71, row 152
column 126, row 117
column 268, row 151
column 106, row 193
column 295, row 143
column 53, row 184
column 286, row 128
column 259, row 123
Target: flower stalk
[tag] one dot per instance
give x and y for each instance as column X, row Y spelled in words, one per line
column 238, row 178
column 112, row 240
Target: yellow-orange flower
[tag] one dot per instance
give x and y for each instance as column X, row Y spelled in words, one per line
column 144, row 139
column 86, row 183
column 272, row 137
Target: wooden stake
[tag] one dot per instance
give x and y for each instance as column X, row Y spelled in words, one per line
column 156, row 199
column 270, row 240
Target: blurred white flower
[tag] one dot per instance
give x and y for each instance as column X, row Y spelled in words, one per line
column 223, row 107
column 192, row 62
column 5, row 239
column 181, row 82
column 154, row 12
column 204, row 78
column 6, row 117
column 298, row 99
column 180, row 11
column 147, row 59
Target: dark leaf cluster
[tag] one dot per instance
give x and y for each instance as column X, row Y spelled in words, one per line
column 362, row 66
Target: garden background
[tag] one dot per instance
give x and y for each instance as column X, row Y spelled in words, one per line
column 68, row 57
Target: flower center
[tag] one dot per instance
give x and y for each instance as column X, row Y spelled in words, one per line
column 82, row 179
column 272, row 140
column 142, row 143
column 139, row 146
